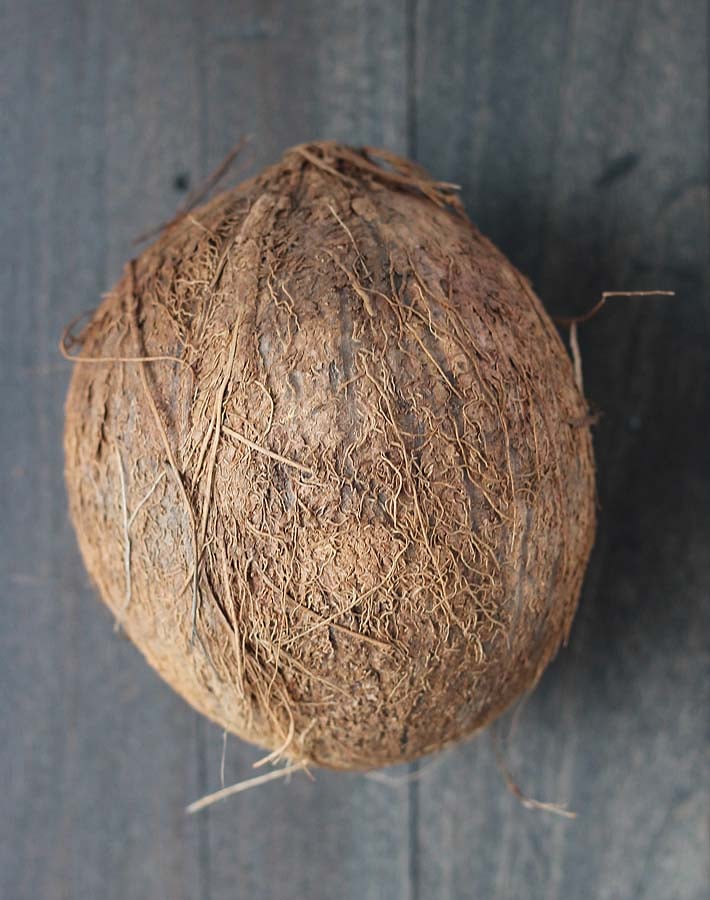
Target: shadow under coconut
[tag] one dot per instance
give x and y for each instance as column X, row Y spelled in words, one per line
column 645, row 364
column 639, row 613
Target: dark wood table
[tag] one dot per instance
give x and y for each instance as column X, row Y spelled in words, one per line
column 579, row 134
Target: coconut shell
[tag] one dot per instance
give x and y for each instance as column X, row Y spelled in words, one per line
column 328, row 464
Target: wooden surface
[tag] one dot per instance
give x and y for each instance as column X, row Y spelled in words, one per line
column 578, row 131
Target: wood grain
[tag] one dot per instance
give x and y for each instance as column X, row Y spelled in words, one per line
column 284, row 73
column 583, row 154
column 99, row 755
column 579, row 134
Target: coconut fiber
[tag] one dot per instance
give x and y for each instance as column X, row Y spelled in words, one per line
column 328, row 464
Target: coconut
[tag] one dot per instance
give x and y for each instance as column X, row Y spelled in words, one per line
column 328, row 464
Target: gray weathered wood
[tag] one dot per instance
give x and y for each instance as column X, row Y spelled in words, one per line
column 285, row 73
column 110, row 108
column 579, row 135
column 97, row 755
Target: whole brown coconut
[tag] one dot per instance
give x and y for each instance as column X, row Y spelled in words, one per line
column 328, row 464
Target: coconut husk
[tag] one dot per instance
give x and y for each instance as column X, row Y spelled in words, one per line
column 328, row 464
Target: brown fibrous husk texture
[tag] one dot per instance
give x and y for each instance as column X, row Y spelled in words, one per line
column 328, row 464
